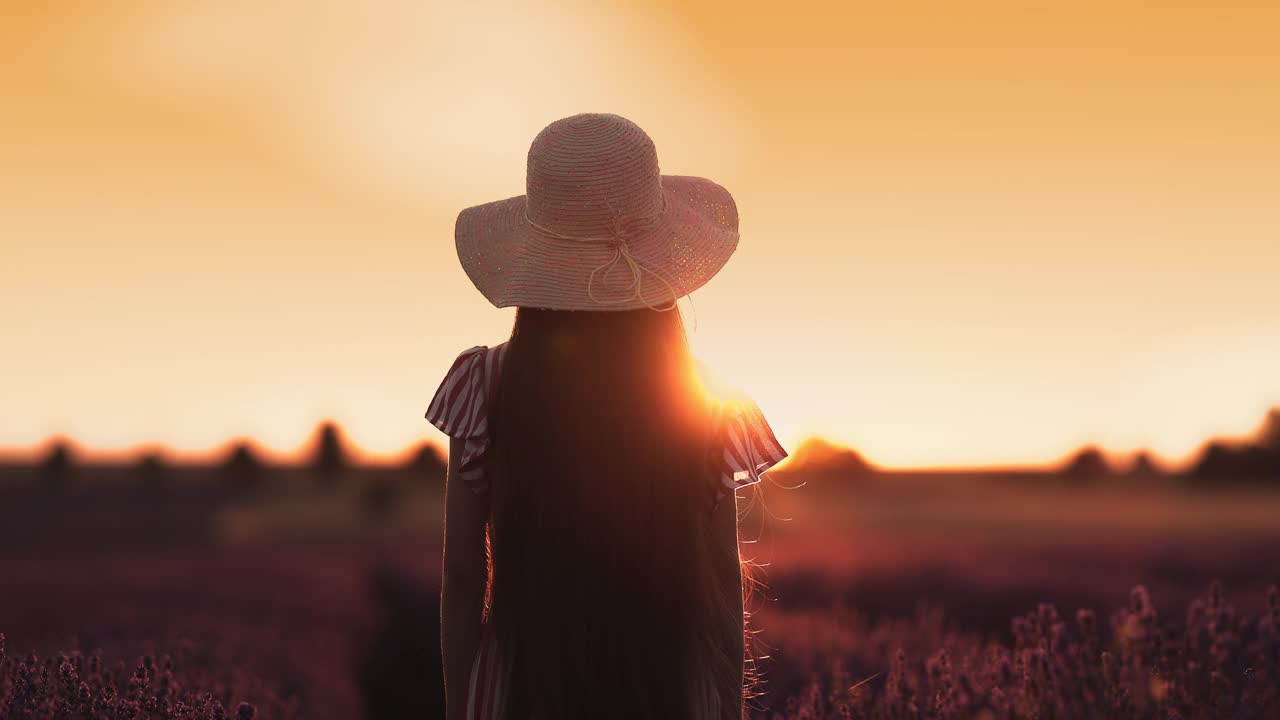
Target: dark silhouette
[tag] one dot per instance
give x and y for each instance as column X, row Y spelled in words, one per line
column 1087, row 465
column 330, row 460
column 1248, row 464
column 1256, row 461
column 152, row 470
column 427, row 465
column 817, row 455
column 400, row 671
column 56, row 469
column 1144, row 466
column 243, row 470
column 1215, row 461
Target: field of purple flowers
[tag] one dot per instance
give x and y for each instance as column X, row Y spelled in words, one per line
column 314, row 633
column 291, row 631
column 1211, row 662
column 899, row 606
column 73, row 685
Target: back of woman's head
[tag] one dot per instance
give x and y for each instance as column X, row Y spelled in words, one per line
column 604, row 596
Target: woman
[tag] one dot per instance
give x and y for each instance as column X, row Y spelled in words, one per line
column 591, row 562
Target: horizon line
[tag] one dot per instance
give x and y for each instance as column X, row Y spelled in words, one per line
column 363, row 457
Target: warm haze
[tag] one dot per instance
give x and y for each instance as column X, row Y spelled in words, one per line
column 968, row 235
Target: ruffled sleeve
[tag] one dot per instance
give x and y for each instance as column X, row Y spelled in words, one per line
column 749, row 447
column 460, row 409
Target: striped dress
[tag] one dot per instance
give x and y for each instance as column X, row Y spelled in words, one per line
column 460, row 409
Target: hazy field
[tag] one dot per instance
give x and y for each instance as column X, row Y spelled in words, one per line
column 320, row 603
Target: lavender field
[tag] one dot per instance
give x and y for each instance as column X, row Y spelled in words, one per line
column 924, row 598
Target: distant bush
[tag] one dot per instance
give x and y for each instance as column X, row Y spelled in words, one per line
column 1144, row 465
column 55, row 469
column 329, row 460
column 426, row 464
column 73, row 686
column 1087, row 465
column 817, row 456
column 1247, row 463
column 242, row 469
column 152, row 470
column 1255, row 461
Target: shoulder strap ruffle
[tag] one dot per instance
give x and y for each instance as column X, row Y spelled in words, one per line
column 749, row 447
column 460, row 408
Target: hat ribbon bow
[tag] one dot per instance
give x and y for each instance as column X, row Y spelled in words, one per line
column 618, row 240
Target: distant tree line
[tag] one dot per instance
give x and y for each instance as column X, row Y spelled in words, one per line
column 1254, row 461
column 242, row 467
column 1222, row 462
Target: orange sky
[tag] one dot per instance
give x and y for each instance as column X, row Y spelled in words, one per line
column 968, row 235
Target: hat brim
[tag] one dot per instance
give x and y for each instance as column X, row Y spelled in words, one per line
column 512, row 264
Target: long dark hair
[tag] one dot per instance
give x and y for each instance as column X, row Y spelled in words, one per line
column 608, row 594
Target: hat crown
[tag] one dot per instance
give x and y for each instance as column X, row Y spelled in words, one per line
column 591, row 175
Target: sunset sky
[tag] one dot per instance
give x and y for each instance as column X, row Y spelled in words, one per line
column 969, row 235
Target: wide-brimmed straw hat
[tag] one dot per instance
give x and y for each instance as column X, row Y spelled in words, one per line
column 599, row 227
